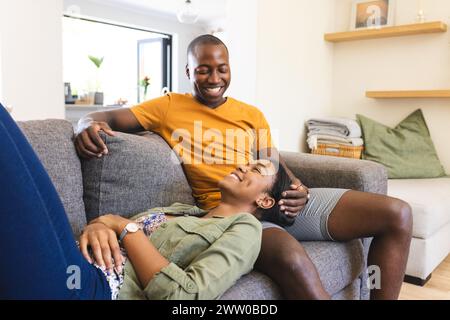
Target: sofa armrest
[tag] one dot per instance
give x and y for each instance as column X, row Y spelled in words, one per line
column 333, row 172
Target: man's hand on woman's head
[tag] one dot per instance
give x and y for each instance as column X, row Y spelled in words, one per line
column 88, row 142
column 295, row 199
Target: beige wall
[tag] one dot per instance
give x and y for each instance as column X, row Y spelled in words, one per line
column 294, row 65
column 241, row 28
column 31, row 58
column 416, row 62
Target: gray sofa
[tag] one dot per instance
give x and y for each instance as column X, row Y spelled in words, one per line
column 139, row 174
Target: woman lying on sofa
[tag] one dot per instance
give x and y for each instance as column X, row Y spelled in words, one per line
column 166, row 257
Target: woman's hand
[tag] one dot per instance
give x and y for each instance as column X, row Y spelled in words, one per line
column 114, row 222
column 101, row 235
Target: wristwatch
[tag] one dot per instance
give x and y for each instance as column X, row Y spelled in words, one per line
column 129, row 228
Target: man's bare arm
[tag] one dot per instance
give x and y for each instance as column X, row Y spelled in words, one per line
column 88, row 142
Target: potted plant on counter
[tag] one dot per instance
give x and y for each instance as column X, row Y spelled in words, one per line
column 99, row 96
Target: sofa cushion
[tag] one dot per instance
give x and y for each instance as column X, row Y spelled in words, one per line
column 338, row 264
column 253, row 286
column 138, row 174
column 52, row 141
column 429, row 200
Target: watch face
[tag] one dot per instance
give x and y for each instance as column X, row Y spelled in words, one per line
column 132, row 227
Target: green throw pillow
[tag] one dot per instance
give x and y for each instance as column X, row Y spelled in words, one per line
column 407, row 151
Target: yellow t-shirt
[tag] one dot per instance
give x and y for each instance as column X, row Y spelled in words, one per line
column 210, row 143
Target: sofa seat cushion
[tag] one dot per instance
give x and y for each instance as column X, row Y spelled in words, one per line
column 137, row 174
column 52, row 141
column 338, row 264
column 429, row 200
column 253, row 286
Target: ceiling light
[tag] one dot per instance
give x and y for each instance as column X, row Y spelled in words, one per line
column 189, row 13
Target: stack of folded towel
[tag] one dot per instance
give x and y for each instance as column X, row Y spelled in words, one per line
column 330, row 130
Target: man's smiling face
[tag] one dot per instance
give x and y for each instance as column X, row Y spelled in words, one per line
column 209, row 71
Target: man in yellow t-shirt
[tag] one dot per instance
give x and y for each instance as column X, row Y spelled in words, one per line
column 211, row 143
column 212, row 135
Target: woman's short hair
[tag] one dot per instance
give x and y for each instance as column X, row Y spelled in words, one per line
column 282, row 183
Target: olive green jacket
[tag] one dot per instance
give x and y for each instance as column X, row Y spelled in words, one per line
column 207, row 256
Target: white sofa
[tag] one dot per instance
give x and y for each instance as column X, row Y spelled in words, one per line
column 430, row 202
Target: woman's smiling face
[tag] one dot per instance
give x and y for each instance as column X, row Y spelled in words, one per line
column 249, row 184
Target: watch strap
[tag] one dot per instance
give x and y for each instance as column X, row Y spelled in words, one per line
column 123, row 234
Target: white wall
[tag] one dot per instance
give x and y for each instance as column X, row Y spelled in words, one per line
column 31, row 58
column 294, row 65
column 184, row 34
column 241, row 29
column 416, row 62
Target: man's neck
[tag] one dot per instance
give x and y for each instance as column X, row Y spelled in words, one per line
column 211, row 106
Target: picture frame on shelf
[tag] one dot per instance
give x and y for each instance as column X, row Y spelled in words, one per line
column 372, row 14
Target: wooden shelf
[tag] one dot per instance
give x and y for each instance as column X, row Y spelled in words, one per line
column 412, row 94
column 388, row 32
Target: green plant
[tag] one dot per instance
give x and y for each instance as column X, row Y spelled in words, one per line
column 97, row 61
column 145, row 83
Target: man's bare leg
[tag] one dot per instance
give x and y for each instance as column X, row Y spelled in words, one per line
column 389, row 221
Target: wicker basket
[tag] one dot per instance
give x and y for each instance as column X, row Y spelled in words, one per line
column 337, row 150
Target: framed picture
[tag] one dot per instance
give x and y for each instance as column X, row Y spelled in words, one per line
column 370, row 14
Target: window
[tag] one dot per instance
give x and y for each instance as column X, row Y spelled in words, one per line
column 153, row 58
column 123, row 63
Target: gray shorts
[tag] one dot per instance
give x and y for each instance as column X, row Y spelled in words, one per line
column 312, row 223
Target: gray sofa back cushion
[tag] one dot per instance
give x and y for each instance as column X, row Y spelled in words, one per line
column 137, row 174
column 52, row 141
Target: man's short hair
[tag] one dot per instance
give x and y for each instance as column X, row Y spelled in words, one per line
column 203, row 40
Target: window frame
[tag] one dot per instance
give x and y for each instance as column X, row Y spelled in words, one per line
column 167, row 39
column 166, row 45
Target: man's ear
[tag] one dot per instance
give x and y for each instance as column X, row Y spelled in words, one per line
column 188, row 72
column 265, row 202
